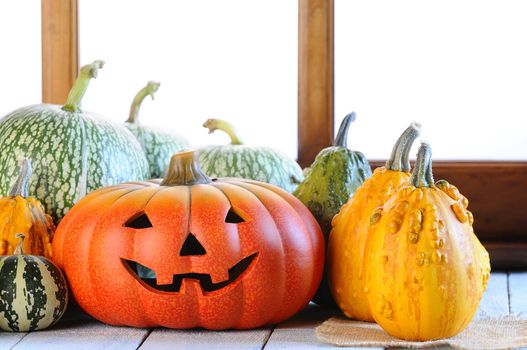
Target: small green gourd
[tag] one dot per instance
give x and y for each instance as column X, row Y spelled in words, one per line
column 330, row 182
column 33, row 291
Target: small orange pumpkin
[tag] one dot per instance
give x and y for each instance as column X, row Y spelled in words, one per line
column 191, row 252
column 350, row 238
column 20, row 213
column 426, row 271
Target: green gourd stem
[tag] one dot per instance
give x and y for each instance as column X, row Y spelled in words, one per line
column 19, row 250
column 342, row 136
column 400, row 160
column 226, row 127
column 21, row 186
column 89, row 71
column 149, row 90
column 422, row 174
column 184, row 170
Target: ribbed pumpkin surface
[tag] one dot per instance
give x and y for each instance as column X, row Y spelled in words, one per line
column 226, row 253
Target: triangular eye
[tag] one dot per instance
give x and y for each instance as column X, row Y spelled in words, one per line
column 233, row 217
column 139, row 221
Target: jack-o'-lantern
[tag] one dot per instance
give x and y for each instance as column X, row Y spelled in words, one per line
column 190, row 252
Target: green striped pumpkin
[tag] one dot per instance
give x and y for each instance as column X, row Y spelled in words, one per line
column 33, row 292
column 72, row 152
column 158, row 145
column 264, row 164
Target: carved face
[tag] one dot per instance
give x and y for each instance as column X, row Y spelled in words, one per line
column 192, row 248
column 227, row 254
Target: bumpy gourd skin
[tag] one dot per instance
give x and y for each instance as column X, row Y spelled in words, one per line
column 350, row 238
column 426, row 271
column 25, row 215
column 330, row 182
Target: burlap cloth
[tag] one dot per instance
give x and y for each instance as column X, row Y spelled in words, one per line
column 508, row 332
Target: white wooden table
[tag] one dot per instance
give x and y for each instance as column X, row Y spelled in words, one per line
column 506, row 293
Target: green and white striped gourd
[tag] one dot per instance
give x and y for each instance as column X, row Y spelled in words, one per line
column 264, row 164
column 331, row 181
column 33, row 292
column 158, row 145
column 72, row 152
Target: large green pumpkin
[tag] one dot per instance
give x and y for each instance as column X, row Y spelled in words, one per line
column 331, row 181
column 264, row 164
column 72, row 152
column 158, row 145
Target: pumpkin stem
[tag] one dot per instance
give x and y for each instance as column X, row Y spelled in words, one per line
column 399, row 160
column 184, row 170
column 422, row 174
column 149, row 89
column 21, row 186
column 89, row 71
column 342, row 136
column 226, row 127
column 19, row 250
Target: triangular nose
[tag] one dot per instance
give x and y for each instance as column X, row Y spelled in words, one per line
column 192, row 247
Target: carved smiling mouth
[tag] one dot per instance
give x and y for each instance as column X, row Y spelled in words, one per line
column 148, row 276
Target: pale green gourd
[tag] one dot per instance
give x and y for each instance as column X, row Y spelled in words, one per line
column 72, row 152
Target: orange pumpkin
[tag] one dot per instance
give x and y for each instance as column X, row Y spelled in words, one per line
column 190, row 252
column 20, row 213
column 351, row 234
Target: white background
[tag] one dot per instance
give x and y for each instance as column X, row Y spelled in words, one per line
column 228, row 59
column 458, row 67
column 20, row 54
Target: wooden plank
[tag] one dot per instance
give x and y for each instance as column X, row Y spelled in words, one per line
column 161, row 339
column 495, row 301
column 60, row 57
column 84, row 336
column 299, row 331
column 315, row 78
column 518, row 292
column 8, row 340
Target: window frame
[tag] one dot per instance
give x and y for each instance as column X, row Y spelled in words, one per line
column 497, row 190
column 60, row 49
